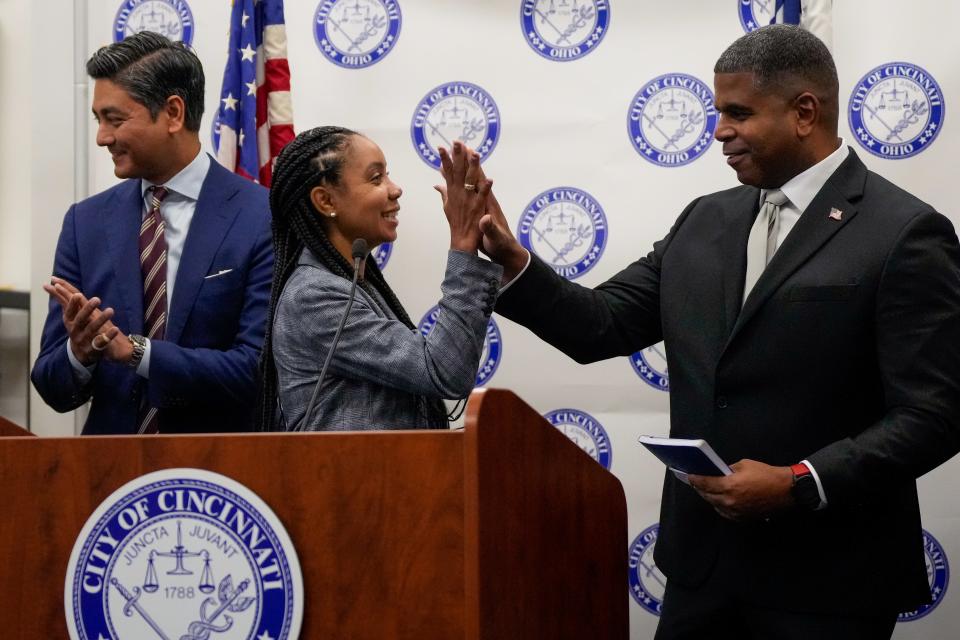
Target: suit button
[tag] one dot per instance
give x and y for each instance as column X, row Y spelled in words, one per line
column 722, row 402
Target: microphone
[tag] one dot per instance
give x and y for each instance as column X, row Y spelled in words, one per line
column 359, row 253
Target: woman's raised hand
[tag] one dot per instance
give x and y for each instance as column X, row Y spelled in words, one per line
column 464, row 195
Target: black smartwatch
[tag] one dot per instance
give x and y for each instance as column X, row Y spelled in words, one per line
column 804, row 490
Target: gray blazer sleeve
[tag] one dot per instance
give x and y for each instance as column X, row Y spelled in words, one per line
column 380, row 349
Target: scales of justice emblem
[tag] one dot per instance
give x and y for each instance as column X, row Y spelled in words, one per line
column 183, row 554
column 672, row 120
column 567, row 228
column 455, row 111
column 170, row 18
column 356, row 33
column 564, row 30
column 896, row 110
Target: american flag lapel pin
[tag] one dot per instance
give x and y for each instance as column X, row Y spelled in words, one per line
column 835, row 214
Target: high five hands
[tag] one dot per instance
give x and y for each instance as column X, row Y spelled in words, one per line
column 475, row 217
column 465, row 194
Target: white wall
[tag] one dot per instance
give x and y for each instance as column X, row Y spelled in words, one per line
column 52, row 181
column 14, row 202
column 37, row 178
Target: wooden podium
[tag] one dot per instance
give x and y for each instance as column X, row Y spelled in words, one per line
column 503, row 530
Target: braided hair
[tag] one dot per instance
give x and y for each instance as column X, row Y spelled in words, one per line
column 313, row 158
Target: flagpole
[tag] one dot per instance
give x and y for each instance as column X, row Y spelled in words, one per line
column 81, row 124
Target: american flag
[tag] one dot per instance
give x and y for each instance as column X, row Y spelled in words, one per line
column 812, row 15
column 255, row 118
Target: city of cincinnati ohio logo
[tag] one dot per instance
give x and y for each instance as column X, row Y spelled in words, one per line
column 896, row 110
column 672, row 119
column 564, row 30
column 170, row 18
column 565, row 227
column 492, row 345
column 183, row 554
column 381, row 254
column 651, row 365
column 757, row 13
column 585, row 432
column 455, row 111
column 356, row 33
column 647, row 583
column 938, row 574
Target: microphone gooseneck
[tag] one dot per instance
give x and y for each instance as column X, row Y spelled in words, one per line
column 359, row 253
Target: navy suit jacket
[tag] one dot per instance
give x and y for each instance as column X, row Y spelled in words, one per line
column 203, row 374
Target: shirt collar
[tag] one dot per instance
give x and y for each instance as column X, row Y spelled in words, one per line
column 802, row 188
column 188, row 181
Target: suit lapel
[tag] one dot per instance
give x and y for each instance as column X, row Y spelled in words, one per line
column 121, row 217
column 814, row 229
column 211, row 221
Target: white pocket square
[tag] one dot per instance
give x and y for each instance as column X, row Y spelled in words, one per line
column 222, row 272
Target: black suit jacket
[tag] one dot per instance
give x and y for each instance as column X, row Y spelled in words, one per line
column 846, row 353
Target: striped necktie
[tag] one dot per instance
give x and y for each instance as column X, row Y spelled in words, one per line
column 153, row 268
column 762, row 242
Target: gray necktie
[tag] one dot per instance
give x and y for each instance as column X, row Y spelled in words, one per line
column 762, row 243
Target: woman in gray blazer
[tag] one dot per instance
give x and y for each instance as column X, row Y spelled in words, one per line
column 330, row 188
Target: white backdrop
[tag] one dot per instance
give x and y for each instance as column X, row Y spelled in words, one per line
column 562, row 121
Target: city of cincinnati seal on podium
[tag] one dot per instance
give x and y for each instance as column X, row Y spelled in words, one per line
column 455, row 111
column 183, row 554
column 564, row 30
column 585, row 431
column 492, row 345
column 170, row 18
column 896, row 110
column 672, row 119
column 567, row 228
column 651, row 365
column 938, row 574
column 356, row 33
column 647, row 583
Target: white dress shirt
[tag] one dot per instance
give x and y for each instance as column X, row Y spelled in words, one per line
column 177, row 211
column 802, row 188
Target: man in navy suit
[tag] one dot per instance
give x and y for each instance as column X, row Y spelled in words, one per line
column 160, row 287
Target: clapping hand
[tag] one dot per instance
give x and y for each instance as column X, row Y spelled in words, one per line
column 91, row 329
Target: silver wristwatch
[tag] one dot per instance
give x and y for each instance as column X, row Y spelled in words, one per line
column 139, row 344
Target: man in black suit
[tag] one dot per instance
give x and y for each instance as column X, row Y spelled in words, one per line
column 812, row 326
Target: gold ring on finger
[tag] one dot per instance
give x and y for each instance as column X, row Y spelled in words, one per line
column 469, row 187
column 93, row 343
